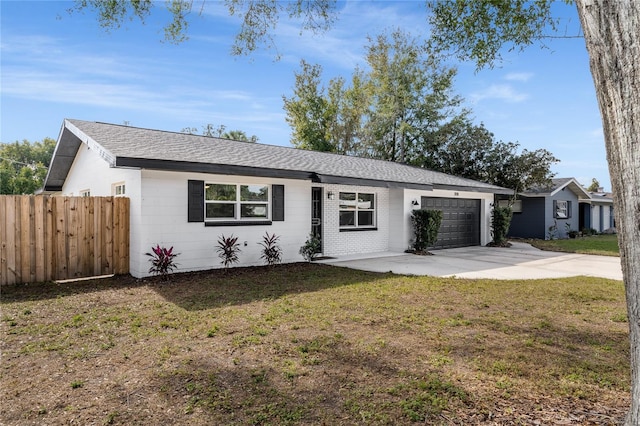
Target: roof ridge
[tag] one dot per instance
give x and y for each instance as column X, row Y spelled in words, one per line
column 161, row 130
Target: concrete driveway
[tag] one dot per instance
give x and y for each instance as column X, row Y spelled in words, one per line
column 521, row 261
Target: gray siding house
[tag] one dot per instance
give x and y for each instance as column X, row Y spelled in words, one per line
column 551, row 212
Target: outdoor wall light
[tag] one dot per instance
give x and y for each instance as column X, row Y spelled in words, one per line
column 414, row 202
column 331, row 195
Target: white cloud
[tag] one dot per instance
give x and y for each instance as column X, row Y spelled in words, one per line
column 519, row 76
column 52, row 87
column 504, row 92
column 43, row 86
column 29, row 45
column 53, row 71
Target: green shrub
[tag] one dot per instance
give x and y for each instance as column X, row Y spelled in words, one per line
column 500, row 222
column 310, row 248
column 426, row 224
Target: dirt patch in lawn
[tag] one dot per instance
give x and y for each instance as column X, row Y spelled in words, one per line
column 314, row 344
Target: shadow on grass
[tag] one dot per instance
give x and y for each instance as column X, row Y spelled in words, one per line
column 217, row 287
column 204, row 289
column 16, row 293
column 343, row 383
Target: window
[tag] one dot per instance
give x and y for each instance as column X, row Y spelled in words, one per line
column 516, row 207
column 562, row 209
column 224, row 204
column 85, row 193
column 357, row 210
column 233, row 202
column 118, row 189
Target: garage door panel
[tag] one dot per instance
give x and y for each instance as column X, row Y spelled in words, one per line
column 460, row 221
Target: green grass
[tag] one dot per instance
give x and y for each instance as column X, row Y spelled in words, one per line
column 314, row 344
column 604, row 245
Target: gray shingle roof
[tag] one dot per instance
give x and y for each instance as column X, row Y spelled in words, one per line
column 556, row 185
column 126, row 145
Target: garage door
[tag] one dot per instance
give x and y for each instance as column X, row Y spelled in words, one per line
column 460, row 221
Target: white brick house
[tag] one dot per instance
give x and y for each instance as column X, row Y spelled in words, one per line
column 187, row 190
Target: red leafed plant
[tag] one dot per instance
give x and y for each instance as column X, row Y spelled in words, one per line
column 162, row 262
column 228, row 249
column 271, row 251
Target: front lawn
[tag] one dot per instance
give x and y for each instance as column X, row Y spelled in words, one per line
column 314, row 344
column 604, row 245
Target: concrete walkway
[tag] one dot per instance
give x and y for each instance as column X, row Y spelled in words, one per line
column 521, row 261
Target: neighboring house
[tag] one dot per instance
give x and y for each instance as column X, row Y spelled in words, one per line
column 551, row 212
column 598, row 214
column 548, row 212
column 188, row 190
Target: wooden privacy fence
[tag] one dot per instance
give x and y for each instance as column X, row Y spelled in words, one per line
column 46, row 238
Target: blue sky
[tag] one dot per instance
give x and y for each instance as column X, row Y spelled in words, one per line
column 55, row 65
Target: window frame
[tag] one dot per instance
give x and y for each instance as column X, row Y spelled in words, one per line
column 115, row 187
column 239, row 203
column 356, row 210
column 562, row 209
column 516, row 206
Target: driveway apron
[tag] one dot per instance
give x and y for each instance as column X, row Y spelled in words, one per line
column 521, row 261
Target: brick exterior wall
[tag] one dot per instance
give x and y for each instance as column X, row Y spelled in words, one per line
column 336, row 242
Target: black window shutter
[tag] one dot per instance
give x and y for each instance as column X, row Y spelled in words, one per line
column 277, row 203
column 196, row 201
column 568, row 209
column 555, row 209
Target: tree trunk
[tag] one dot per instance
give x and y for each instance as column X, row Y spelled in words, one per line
column 612, row 36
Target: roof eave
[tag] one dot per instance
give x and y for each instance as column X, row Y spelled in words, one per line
column 235, row 170
column 487, row 190
column 69, row 141
column 224, row 169
column 345, row 180
column 575, row 187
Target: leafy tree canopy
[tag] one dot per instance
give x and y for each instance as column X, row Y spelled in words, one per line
column 309, row 111
column 380, row 113
column 403, row 109
column 595, row 185
column 479, row 30
column 464, row 149
column 258, row 18
column 23, row 165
